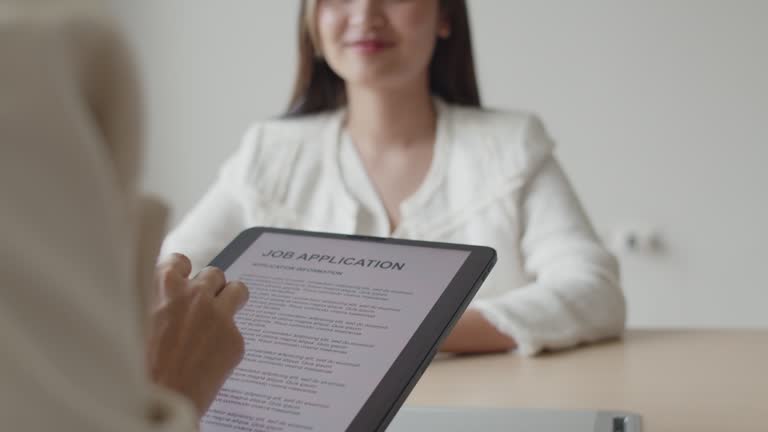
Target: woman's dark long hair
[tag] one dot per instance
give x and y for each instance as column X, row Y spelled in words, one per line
column 451, row 72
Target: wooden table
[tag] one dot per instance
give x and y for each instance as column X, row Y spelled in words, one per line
column 679, row 381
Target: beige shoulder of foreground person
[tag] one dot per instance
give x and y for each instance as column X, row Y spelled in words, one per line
column 71, row 310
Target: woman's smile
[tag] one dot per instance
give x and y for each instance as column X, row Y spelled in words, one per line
column 370, row 46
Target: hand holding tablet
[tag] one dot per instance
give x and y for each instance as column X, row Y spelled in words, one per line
column 338, row 328
column 193, row 330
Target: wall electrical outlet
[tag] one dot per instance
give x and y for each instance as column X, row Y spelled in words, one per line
column 635, row 240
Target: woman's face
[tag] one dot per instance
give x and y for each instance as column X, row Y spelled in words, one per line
column 379, row 43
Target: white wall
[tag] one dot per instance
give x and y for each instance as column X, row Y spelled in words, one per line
column 660, row 108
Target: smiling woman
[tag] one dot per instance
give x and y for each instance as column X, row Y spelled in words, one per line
column 451, row 69
column 384, row 136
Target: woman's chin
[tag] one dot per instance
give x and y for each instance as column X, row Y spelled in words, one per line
column 376, row 80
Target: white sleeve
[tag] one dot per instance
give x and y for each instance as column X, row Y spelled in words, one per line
column 219, row 215
column 249, row 191
column 71, row 346
column 576, row 296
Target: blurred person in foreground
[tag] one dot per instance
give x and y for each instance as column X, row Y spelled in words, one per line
column 91, row 337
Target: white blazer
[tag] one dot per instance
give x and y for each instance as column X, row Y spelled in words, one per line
column 493, row 181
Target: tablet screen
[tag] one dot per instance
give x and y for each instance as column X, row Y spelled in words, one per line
column 325, row 321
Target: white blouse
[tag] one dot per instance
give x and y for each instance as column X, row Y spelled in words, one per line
column 493, row 181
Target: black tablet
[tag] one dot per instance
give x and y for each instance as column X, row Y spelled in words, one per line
column 338, row 328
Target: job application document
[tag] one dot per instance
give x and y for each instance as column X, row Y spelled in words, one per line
column 325, row 321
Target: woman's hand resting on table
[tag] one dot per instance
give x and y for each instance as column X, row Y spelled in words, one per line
column 473, row 334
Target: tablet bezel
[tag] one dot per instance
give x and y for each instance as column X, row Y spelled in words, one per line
column 389, row 395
